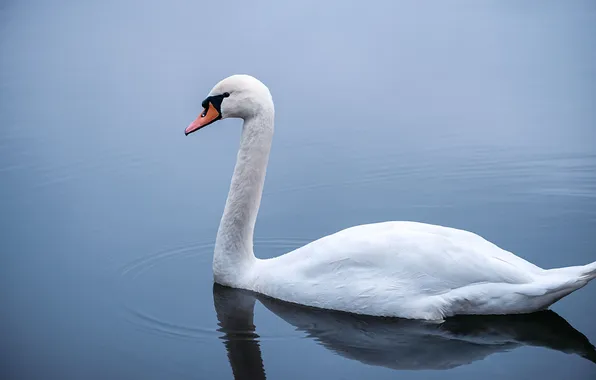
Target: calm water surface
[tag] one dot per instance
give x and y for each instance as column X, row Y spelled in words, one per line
column 475, row 115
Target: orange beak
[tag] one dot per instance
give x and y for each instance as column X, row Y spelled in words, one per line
column 208, row 116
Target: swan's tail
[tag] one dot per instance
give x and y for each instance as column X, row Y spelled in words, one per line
column 560, row 282
column 589, row 271
column 582, row 273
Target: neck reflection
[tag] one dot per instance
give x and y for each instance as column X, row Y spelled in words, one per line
column 235, row 311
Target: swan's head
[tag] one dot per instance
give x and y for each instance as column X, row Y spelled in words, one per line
column 239, row 96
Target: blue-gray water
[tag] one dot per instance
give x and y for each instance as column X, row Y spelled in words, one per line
column 476, row 115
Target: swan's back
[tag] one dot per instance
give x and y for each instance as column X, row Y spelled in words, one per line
column 391, row 269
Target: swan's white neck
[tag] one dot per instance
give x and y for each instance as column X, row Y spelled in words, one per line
column 234, row 254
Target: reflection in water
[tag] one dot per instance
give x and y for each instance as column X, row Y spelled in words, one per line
column 390, row 342
column 234, row 310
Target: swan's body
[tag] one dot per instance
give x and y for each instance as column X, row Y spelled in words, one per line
column 411, row 270
column 396, row 269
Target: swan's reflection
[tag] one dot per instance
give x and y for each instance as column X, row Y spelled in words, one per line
column 235, row 311
column 390, row 342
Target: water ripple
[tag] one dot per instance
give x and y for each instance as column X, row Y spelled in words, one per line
column 130, row 289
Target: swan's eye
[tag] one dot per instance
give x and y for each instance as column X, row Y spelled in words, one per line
column 226, row 94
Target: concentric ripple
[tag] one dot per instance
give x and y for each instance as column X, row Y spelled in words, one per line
column 137, row 267
column 159, row 292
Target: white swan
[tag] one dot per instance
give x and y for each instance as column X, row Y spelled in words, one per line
column 395, row 269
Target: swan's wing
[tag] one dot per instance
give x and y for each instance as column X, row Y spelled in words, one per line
column 431, row 258
column 389, row 263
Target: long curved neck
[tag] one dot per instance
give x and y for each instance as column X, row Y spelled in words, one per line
column 234, row 244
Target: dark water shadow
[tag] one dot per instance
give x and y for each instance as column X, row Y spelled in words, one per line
column 390, row 342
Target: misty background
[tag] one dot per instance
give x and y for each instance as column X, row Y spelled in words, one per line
column 474, row 115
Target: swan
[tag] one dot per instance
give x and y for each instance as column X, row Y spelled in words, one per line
column 393, row 269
